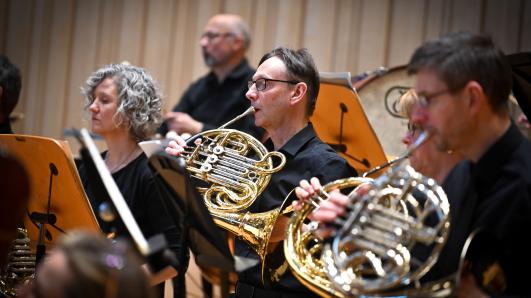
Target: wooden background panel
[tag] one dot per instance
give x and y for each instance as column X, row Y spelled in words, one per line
column 406, row 32
column 17, row 45
column 132, row 35
column 83, row 53
column 158, row 46
column 290, row 27
column 57, row 72
column 35, row 81
column 346, row 42
column 373, row 34
column 263, row 27
column 319, row 28
column 467, row 15
column 58, row 43
column 502, row 19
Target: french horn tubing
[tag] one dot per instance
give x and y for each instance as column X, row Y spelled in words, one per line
column 392, row 236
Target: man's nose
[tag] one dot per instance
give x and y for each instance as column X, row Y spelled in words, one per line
column 252, row 93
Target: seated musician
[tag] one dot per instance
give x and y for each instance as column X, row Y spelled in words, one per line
column 463, row 83
column 125, row 108
column 284, row 91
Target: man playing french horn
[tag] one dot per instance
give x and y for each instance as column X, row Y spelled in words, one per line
column 463, row 83
column 283, row 92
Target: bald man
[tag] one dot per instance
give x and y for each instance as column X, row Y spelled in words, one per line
column 218, row 96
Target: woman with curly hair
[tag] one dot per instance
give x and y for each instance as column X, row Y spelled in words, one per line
column 124, row 106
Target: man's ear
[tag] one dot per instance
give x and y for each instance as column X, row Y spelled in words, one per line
column 476, row 96
column 237, row 43
column 298, row 93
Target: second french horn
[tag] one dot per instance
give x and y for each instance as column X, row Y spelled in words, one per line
column 393, row 234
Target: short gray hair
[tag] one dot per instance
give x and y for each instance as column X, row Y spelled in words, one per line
column 140, row 103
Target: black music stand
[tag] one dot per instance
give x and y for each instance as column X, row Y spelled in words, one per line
column 203, row 237
column 160, row 259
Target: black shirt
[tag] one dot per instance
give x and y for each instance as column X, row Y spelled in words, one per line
column 306, row 157
column 138, row 187
column 493, row 194
column 214, row 103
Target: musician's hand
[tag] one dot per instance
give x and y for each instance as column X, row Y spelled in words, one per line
column 182, row 123
column 330, row 209
column 305, row 191
column 176, row 146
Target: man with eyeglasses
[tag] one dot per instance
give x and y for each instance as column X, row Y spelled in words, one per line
column 218, row 96
column 283, row 92
column 426, row 159
column 463, row 83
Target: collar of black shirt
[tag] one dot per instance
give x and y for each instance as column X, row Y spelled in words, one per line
column 296, row 143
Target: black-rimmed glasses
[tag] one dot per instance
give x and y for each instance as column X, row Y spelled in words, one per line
column 426, row 99
column 213, row 35
column 261, row 84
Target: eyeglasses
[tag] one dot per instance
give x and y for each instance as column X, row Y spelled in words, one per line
column 426, row 99
column 261, row 84
column 213, row 35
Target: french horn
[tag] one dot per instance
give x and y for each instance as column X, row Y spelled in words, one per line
column 20, row 267
column 237, row 168
column 392, row 236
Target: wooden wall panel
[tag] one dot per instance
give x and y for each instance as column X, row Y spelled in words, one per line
column 319, row 28
column 184, row 41
column 58, row 43
column 132, row 35
column 57, row 72
column 290, row 27
column 502, row 20
column 406, row 33
column 374, row 34
column 83, row 52
column 158, row 46
column 467, row 15
column 35, row 81
column 18, row 45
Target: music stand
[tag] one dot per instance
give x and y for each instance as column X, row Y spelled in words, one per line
column 340, row 121
column 57, row 201
column 202, row 235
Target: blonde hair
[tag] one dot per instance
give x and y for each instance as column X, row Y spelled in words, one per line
column 407, row 102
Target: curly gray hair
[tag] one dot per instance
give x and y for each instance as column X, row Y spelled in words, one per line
column 140, row 103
